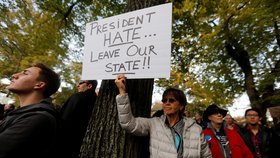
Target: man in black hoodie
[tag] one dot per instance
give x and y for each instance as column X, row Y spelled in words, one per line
column 30, row 130
column 75, row 115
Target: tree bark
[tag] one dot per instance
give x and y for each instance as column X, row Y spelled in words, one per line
column 104, row 137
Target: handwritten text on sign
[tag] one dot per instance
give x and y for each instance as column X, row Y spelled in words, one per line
column 137, row 44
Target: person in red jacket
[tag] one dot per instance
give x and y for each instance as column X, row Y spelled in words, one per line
column 231, row 123
column 223, row 142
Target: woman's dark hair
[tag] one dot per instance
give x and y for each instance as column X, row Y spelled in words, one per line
column 178, row 94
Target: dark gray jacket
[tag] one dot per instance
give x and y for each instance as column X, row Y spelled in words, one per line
column 265, row 140
column 29, row 131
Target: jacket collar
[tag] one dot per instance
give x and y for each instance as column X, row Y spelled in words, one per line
column 45, row 104
column 188, row 121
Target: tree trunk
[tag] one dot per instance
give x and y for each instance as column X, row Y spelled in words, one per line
column 241, row 56
column 104, row 137
column 238, row 53
column 267, row 96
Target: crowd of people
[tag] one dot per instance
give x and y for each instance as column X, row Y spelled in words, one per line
column 37, row 130
column 173, row 133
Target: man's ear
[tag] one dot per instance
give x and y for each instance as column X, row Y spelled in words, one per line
column 89, row 86
column 39, row 85
column 208, row 117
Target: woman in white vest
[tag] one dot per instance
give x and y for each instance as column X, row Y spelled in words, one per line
column 171, row 135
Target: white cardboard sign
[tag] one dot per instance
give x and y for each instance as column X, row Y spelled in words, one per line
column 137, row 44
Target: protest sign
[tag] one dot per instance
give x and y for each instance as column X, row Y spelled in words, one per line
column 137, row 44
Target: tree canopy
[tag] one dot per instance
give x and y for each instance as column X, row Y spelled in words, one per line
column 219, row 48
column 223, row 48
column 50, row 32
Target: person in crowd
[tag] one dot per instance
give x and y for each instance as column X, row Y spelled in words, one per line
column 5, row 108
column 230, row 123
column 75, row 116
column 171, row 135
column 30, row 130
column 256, row 136
column 275, row 141
column 187, row 113
column 198, row 119
column 222, row 141
column 158, row 113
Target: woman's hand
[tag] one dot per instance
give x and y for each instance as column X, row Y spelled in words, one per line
column 120, row 82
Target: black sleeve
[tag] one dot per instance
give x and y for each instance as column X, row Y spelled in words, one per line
column 69, row 107
column 1, row 110
column 26, row 134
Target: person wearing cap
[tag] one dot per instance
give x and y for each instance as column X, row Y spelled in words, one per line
column 223, row 142
column 171, row 134
column 75, row 116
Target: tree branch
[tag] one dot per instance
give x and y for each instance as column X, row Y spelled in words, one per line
column 277, row 33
